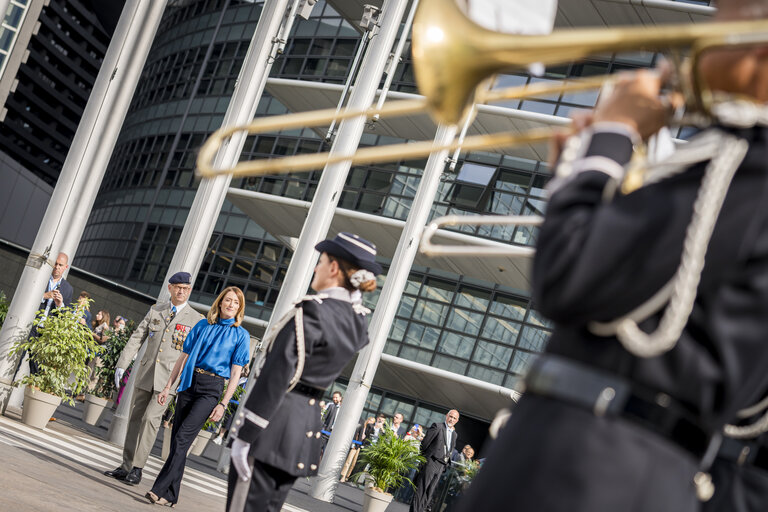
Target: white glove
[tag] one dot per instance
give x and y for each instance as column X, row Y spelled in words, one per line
column 118, row 376
column 239, row 458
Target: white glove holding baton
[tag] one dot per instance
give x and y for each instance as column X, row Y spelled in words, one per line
column 239, row 458
column 118, row 376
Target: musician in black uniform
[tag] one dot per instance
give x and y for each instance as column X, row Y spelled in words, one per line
column 277, row 439
column 604, row 424
column 740, row 471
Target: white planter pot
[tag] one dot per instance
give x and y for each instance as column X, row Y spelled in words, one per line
column 201, row 441
column 38, row 407
column 95, row 409
column 166, row 450
column 375, row 501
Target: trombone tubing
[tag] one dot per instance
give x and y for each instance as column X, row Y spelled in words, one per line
column 430, row 249
column 390, row 153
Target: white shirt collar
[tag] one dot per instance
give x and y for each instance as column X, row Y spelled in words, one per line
column 338, row 293
column 179, row 307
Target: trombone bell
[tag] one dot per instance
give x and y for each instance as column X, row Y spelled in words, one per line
column 452, row 55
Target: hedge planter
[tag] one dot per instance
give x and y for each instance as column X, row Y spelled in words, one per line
column 375, row 501
column 95, row 409
column 201, row 441
column 38, row 407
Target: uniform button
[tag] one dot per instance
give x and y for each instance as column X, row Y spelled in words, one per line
column 157, row 360
column 313, row 467
column 317, row 436
column 311, row 401
column 166, row 330
column 242, row 414
column 300, row 465
column 159, row 350
column 309, row 434
column 237, row 422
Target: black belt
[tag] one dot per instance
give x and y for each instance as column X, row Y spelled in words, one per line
column 744, row 452
column 607, row 394
column 310, row 391
column 206, row 372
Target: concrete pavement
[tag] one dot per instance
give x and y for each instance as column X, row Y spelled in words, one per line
column 60, row 469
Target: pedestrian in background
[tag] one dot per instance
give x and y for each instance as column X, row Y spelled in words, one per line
column 100, row 326
column 436, row 447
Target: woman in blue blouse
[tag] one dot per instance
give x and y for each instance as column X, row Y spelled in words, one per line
column 215, row 350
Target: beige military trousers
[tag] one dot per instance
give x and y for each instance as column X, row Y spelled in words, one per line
column 143, row 424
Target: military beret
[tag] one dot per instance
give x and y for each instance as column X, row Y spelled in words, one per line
column 180, row 278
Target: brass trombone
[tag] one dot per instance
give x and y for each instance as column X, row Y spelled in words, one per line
column 452, row 55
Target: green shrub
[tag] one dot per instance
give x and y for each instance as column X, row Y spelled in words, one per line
column 212, row 425
column 110, row 353
column 3, row 308
column 389, row 459
column 61, row 348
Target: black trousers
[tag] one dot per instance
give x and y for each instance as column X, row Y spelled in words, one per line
column 267, row 489
column 426, row 483
column 193, row 406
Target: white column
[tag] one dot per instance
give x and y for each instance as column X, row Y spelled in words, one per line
column 83, row 170
column 324, row 486
column 211, row 194
column 334, row 175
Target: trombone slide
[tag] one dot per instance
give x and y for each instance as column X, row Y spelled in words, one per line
column 430, row 249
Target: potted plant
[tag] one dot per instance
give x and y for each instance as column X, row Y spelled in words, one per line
column 168, row 429
column 61, row 347
column 387, row 462
column 3, row 307
column 98, row 399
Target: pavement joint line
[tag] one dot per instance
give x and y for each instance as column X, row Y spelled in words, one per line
column 157, row 463
column 53, row 443
column 50, row 441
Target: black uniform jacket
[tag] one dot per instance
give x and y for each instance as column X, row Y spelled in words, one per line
column 290, row 441
column 597, row 260
column 433, row 446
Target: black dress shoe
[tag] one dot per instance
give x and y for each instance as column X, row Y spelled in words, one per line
column 133, row 477
column 118, row 473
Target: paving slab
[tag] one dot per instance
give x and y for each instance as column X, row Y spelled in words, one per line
column 60, row 469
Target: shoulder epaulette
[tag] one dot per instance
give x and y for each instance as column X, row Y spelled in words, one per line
column 318, row 297
column 360, row 309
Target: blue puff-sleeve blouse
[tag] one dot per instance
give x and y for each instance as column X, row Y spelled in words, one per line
column 215, row 348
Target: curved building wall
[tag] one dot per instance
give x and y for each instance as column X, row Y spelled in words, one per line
column 472, row 328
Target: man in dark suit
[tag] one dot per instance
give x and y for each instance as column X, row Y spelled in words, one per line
column 624, row 409
column 437, row 446
column 57, row 294
column 332, row 412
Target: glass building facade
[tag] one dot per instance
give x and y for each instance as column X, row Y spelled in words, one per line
column 472, row 328
column 53, row 82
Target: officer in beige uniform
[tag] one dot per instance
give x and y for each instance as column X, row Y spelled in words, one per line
column 164, row 328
